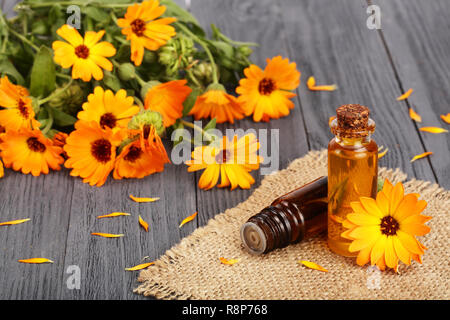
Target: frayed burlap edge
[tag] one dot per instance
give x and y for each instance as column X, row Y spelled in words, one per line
column 191, row 269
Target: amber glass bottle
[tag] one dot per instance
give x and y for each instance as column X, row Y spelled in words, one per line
column 289, row 219
column 352, row 168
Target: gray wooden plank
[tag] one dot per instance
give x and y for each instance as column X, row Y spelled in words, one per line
column 417, row 40
column 330, row 40
column 46, row 201
column 252, row 21
column 102, row 261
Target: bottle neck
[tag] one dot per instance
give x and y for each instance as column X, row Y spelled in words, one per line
column 353, row 141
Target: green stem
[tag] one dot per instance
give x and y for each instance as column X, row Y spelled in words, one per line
column 197, row 128
column 205, row 47
column 49, row 124
column 193, row 78
column 24, row 39
column 55, row 94
column 5, row 40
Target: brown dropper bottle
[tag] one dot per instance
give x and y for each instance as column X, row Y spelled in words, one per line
column 289, row 219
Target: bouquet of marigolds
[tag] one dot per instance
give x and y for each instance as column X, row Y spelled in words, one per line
column 95, row 85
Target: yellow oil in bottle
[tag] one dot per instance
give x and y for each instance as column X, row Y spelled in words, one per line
column 352, row 173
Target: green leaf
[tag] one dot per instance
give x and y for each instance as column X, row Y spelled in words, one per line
column 111, row 81
column 96, row 13
column 188, row 104
column 210, row 125
column 43, row 73
column 61, row 118
column 174, row 10
column 7, row 68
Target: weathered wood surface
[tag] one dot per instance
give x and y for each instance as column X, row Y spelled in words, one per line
column 328, row 39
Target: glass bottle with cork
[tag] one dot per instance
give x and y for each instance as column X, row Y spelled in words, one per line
column 352, row 168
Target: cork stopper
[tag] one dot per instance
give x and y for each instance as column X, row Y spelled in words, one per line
column 353, row 121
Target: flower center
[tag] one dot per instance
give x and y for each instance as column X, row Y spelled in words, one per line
column 23, row 109
column 2, row 129
column 223, row 156
column 101, row 150
column 266, row 86
column 133, row 154
column 138, row 27
column 35, row 145
column 82, row 51
column 108, row 120
column 389, row 226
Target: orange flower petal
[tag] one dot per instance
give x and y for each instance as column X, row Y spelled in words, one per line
column 114, row 214
column 143, row 199
column 420, row 156
column 190, row 218
column 143, row 223
column 446, row 117
column 311, row 83
column 382, row 153
column 229, row 262
column 405, row 95
column 8, row 223
column 313, row 265
column 140, row 266
column 107, row 235
column 36, row 260
column 415, row 116
column 433, row 129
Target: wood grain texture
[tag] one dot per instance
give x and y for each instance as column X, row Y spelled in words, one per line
column 330, row 40
column 252, row 21
column 417, row 40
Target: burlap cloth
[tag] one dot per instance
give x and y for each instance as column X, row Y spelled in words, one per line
column 192, row 270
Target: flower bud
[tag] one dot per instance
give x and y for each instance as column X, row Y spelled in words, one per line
column 147, row 117
column 150, row 56
column 126, row 71
column 203, row 71
column 245, row 51
column 70, row 100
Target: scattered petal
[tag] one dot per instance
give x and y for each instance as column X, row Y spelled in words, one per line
column 8, row 223
column 143, row 223
column 382, row 153
column 190, row 218
column 405, row 95
column 114, row 214
column 311, row 83
column 107, row 235
column 331, row 120
column 143, row 199
column 415, row 116
column 313, row 265
column 36, row 260
column 140, row 266
column 433, row 129
column 446, row 117
column 229, row 262
column 420, row 156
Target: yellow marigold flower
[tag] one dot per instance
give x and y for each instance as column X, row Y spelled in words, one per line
column 18, row 112
column 383, row 230
column 91, row 152
column 30, row 151
column 143, row 29
column 86, row 56
column 216, row 103
column 167, row 99
column 142, row 157
column 107, row 109
column 233, row 160
column 266, row 93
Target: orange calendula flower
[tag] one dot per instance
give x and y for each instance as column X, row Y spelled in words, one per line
column 30, row 151
column 232, row 160
column 87, row 56
column 217, row 103
column 144, row 30
column 167, row 99
column 383, row 230
column 107, row 109
column 91, row 152
column 266, row 93
column 142, row 157
column 18, row 112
